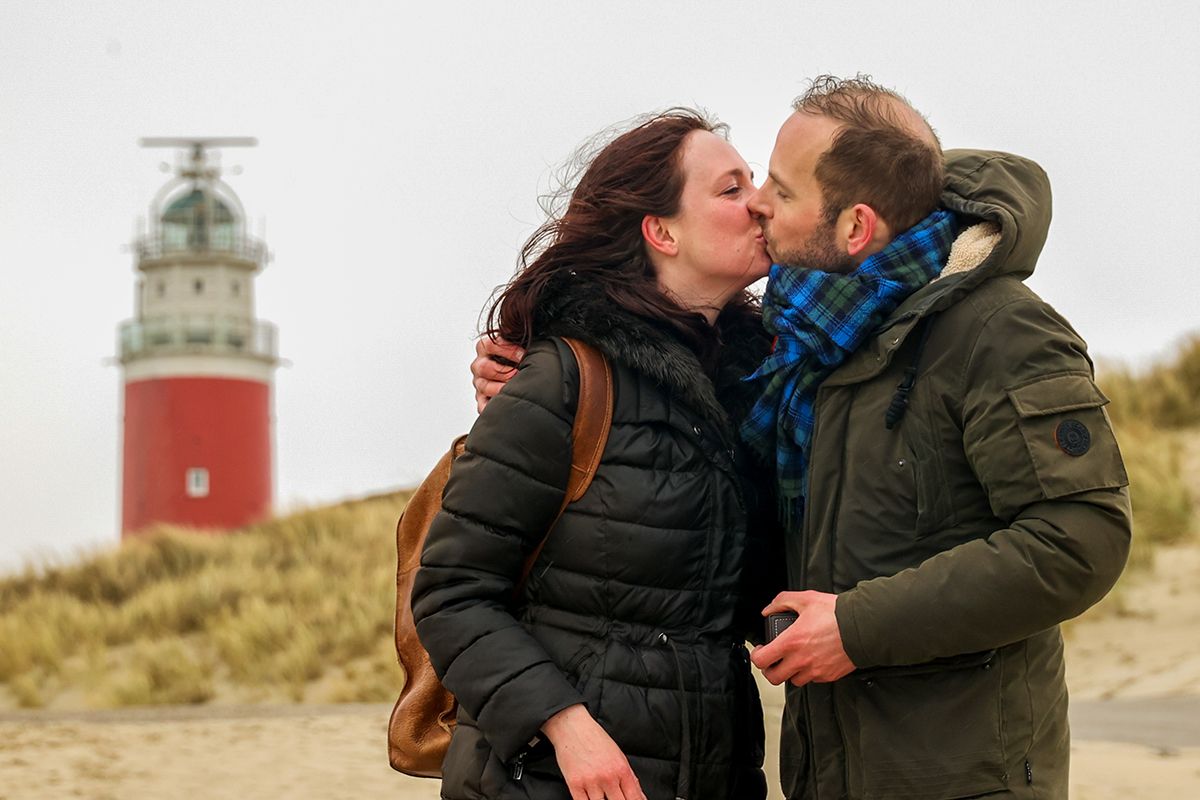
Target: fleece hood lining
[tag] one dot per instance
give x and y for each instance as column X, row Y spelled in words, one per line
column 971, row 249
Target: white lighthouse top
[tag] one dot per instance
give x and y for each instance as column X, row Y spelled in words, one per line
column 196, row 212
column 194, row 303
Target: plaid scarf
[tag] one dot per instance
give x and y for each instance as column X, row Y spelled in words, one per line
column 819, row 319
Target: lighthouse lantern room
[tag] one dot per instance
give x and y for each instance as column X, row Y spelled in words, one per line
column 197, row 364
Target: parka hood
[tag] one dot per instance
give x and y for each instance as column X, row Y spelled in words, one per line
column 1003, row 204
column 1010, row 191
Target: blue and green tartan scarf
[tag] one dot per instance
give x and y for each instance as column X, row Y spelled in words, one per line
column 819, row 319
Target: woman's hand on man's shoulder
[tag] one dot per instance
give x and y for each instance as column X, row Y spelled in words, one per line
column 495, row 363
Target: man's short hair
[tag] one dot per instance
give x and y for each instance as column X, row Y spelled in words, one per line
column 885, row 154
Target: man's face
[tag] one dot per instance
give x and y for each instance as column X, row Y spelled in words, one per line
column 789, row 206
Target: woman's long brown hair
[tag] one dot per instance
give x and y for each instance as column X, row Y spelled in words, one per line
column 598, row 237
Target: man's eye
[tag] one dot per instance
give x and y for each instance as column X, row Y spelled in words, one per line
column 732, row 190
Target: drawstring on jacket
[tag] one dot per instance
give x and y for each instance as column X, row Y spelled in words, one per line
column 899, row 404
column 682, row 786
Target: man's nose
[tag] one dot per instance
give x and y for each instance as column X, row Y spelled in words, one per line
column 757, row 207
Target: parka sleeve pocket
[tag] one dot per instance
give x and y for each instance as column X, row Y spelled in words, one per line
column 1068, row 434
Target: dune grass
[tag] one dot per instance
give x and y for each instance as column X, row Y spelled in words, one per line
column 1156, row 414
column 171, row 616
column 1163, row 506
column 161, row 672
column 1150, row 406
column 1164, row 394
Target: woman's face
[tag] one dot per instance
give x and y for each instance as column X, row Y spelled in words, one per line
column 719, row 241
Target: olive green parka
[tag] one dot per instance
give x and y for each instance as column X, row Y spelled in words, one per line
column 960, row 538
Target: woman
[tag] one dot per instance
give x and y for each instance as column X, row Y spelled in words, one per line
column 621, row 673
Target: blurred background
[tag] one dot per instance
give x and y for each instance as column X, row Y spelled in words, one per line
column 401, row 154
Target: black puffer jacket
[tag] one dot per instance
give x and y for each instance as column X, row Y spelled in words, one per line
column 639, row 604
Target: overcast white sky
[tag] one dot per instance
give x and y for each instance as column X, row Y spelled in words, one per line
column 402, row 152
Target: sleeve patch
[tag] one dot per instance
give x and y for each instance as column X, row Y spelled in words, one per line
column 1073, row 437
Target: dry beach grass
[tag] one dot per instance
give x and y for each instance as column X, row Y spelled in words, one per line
column 297, row 608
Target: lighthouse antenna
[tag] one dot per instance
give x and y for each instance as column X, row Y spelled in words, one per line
column 198, row 145
column 198, row 141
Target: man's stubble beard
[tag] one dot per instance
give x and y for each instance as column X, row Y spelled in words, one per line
column 819, row 251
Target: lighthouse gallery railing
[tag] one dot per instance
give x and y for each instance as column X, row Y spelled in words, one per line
column 198, row 333
column 159, row 245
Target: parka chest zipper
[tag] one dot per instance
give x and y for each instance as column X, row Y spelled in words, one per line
column 810, row 745
column 805, row 539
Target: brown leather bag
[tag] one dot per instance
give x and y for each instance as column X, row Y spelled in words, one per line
column 424, row 717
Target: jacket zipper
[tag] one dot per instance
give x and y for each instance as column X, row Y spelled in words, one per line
column 809, row 741
column 808, row 494
column 810, row 744
column 518, row 766
column 833, row 703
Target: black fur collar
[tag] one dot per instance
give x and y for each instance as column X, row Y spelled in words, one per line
column 581, row 310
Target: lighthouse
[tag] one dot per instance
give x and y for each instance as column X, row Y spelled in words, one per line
column 197, row 364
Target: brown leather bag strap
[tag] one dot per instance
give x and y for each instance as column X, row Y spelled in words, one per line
column 593, row 418
column 589, row 434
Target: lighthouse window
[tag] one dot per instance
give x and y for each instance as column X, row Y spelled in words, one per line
column 237, row 288
column 161, row 288
column 197, row 482
column 199, row 286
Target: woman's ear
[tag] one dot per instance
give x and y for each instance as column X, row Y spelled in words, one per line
column 657, row 233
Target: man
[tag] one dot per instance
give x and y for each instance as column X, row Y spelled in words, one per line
column 948, row 478
column 940, row 547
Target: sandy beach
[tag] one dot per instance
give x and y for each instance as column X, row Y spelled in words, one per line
column 1134, row 670
column 337, row 752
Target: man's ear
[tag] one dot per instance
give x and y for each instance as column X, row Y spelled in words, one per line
column 864, row 230
column 657, row 233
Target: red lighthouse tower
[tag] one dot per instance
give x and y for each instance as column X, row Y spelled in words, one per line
column 197, row 364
